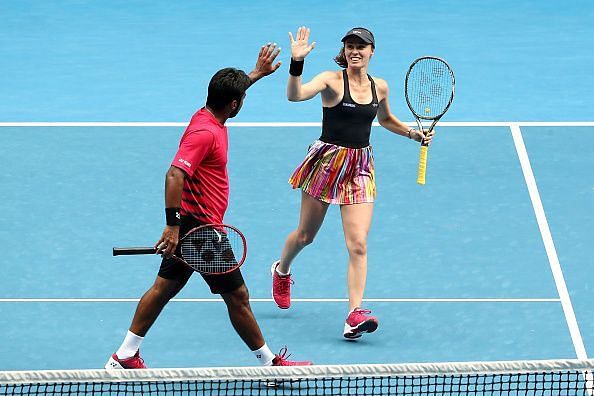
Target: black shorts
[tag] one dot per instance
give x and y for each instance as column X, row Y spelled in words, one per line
column 174, row 270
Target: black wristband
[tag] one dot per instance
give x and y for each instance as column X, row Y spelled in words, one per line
column 296, row 68
column 172, row 216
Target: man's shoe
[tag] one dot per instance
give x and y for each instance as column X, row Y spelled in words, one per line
column 281, row 360
column 134, row 362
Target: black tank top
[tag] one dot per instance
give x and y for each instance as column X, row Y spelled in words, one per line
column 348, row 124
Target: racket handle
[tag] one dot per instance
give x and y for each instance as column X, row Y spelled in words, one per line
column 127, row 251
column 422, row 165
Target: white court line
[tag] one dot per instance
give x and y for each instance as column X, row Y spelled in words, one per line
column 309, row 300
column 547, row 239
column 291, row 124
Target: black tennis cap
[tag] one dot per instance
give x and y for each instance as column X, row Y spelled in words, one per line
column 361, row 33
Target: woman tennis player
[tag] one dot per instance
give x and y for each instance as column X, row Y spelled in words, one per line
column 338, row 168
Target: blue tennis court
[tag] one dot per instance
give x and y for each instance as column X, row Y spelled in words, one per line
column 491, row 260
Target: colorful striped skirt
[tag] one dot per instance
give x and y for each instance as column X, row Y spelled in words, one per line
column 336, row 174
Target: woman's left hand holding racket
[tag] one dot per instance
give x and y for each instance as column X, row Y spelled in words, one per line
column 421, row 137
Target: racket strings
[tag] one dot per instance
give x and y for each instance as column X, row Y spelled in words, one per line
column 429, row 88
column 211, row 250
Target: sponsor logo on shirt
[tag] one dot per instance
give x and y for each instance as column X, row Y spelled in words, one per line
column 186, row 163
column 349, row 104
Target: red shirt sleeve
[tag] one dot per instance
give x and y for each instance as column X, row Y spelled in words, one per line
column 194, row 147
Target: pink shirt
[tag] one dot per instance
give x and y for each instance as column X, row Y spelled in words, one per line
column 202, row 155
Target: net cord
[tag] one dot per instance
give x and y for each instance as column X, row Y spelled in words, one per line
column 326, row 371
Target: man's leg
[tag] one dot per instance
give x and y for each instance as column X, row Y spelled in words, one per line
column 148, row 309
column 152, row 303
column 242, row 318
column 245, row 324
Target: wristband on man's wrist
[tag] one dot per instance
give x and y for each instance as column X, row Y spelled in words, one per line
column 172, row 216
column 296, row 67
column 409, row 133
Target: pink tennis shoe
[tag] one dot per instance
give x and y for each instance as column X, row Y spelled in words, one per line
column 281, row 287
column 134, row 362
column 358, row 322
column 282, row 360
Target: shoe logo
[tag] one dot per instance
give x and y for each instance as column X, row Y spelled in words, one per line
column 259, row 356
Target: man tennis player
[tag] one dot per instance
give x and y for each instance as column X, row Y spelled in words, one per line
column 197, row 192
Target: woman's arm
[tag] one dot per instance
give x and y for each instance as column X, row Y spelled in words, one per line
column 297, row 92
column 300, row 48
column 389, row 120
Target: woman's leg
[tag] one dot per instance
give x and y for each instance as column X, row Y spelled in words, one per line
column 312, row 215
column 311, row 218
column 356, row 221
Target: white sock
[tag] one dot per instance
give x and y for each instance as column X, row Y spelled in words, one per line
column 264, row 355
column 129, row 346
column 278, row 271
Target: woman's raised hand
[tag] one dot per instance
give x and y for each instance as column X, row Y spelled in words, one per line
column 299, row 45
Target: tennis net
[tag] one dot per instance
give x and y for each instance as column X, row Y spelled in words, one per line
column 536, row 377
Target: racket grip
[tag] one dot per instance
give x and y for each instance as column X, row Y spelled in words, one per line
column 422, row 165
column 128, row 251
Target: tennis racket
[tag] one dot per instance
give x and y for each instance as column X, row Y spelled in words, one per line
column 209, row 249
column 429, row 92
